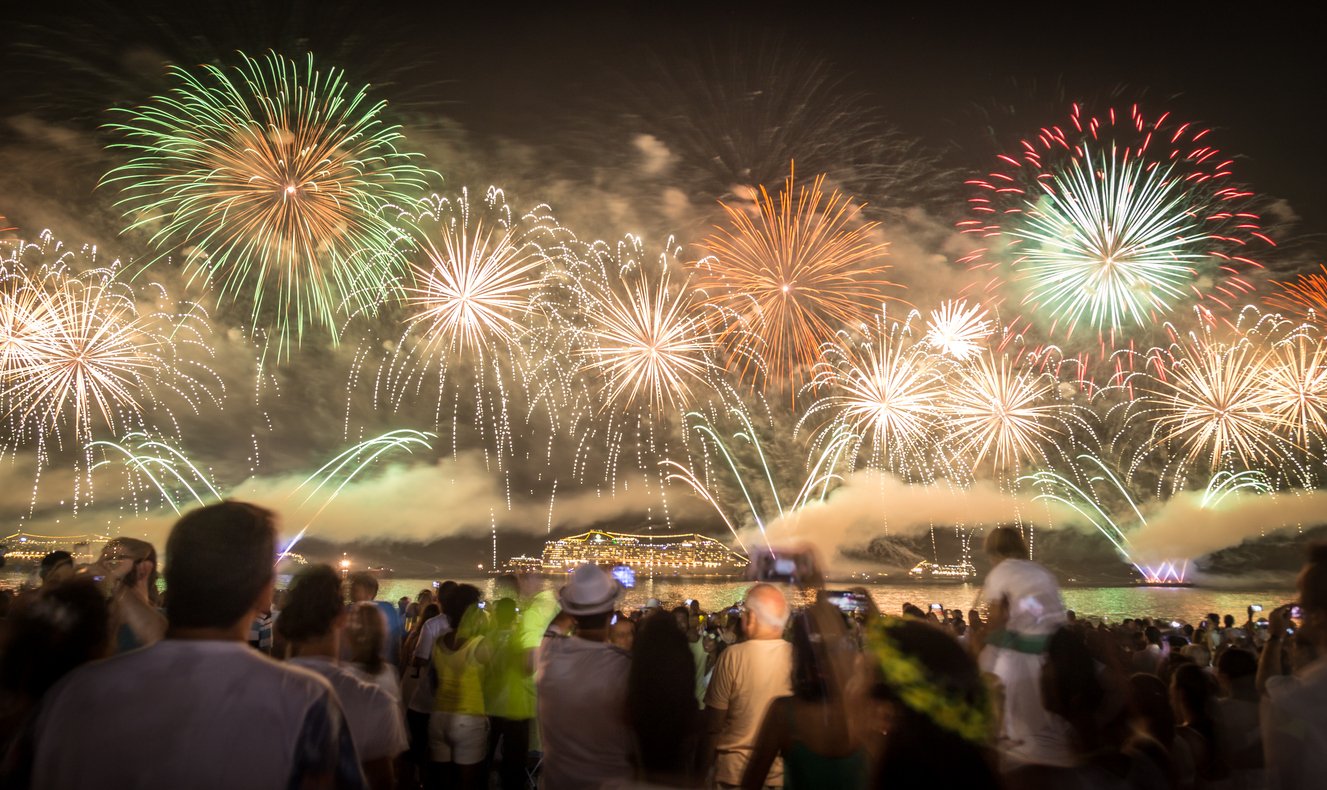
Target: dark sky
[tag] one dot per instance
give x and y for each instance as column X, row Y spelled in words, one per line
column 1259, row 77
column 1253, row 71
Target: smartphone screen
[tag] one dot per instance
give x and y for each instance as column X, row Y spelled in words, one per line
column 846, row 601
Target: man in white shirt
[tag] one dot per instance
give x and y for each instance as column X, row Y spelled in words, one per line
column 582, row 690
column 311, row 624
column 747, row 678
column 1026, row 609
column 200, row 709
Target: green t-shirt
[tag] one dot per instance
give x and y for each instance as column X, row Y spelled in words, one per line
column 509, row 687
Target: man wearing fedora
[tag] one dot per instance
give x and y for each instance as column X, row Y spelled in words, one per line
column 582, row 689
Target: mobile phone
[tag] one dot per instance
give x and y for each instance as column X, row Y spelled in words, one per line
column 846, row 601
column 625, row 575
column 1255, row 607
column 483, row 604
column 1295, row 613
column 1174, row 623
column 437, row 585
column 935, row 607
column 796, row 565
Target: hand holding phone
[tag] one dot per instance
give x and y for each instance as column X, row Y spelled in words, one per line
column 1279, row 622
column 792, row 565
column 847, row 601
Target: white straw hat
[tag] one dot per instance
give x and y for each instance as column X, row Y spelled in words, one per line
column 590, row 591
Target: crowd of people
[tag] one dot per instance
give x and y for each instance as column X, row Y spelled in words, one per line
column 220, row 680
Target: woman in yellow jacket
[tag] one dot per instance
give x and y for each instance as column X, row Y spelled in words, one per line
column 458, row 727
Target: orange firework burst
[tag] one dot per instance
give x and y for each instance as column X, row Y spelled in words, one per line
column 1304, row 297
column 790, row 274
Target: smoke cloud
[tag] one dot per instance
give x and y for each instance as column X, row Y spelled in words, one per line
column 869, row 503
column 1183, row 529
column 452, row 497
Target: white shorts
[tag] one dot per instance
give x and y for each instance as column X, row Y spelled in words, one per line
column 458, row 738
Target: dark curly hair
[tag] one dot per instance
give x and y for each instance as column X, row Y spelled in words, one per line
column 312, row 604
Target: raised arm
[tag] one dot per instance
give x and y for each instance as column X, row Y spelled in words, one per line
column 1269, row 663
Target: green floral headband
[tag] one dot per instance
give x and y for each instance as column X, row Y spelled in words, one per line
column 911, row 683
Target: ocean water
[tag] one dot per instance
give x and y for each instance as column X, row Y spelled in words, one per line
column 1187, row 604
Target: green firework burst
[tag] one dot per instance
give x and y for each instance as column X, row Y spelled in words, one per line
column 272, row 182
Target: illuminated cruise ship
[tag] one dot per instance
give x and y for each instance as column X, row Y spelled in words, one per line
column 957, row 572
column 25, row 548
column 690, row 554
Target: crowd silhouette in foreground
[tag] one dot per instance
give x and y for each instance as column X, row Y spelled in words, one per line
column 106, row 681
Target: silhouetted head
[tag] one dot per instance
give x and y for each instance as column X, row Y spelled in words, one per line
column 219, row 565
column 1004, row 543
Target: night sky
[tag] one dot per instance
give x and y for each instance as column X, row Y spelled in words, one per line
column 943, row 73
column 551, row 101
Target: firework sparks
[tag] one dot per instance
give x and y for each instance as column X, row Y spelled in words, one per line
column 169, row 470
column 1110, row 222
column 78, row 351
column 1296, row 385
column 1305, row 297
column 92, row 352
column 22, row 320
column 795, row 273
column 1110, row 243
column 959, row 329
column 471, row 292
column 271, row 180
column 1214, row 400
column 998, row 410
column 649, row 342
column 887, row 388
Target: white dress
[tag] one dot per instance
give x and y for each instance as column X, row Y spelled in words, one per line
column 1028, row 732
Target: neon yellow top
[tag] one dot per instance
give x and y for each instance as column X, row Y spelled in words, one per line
column 460, row 678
